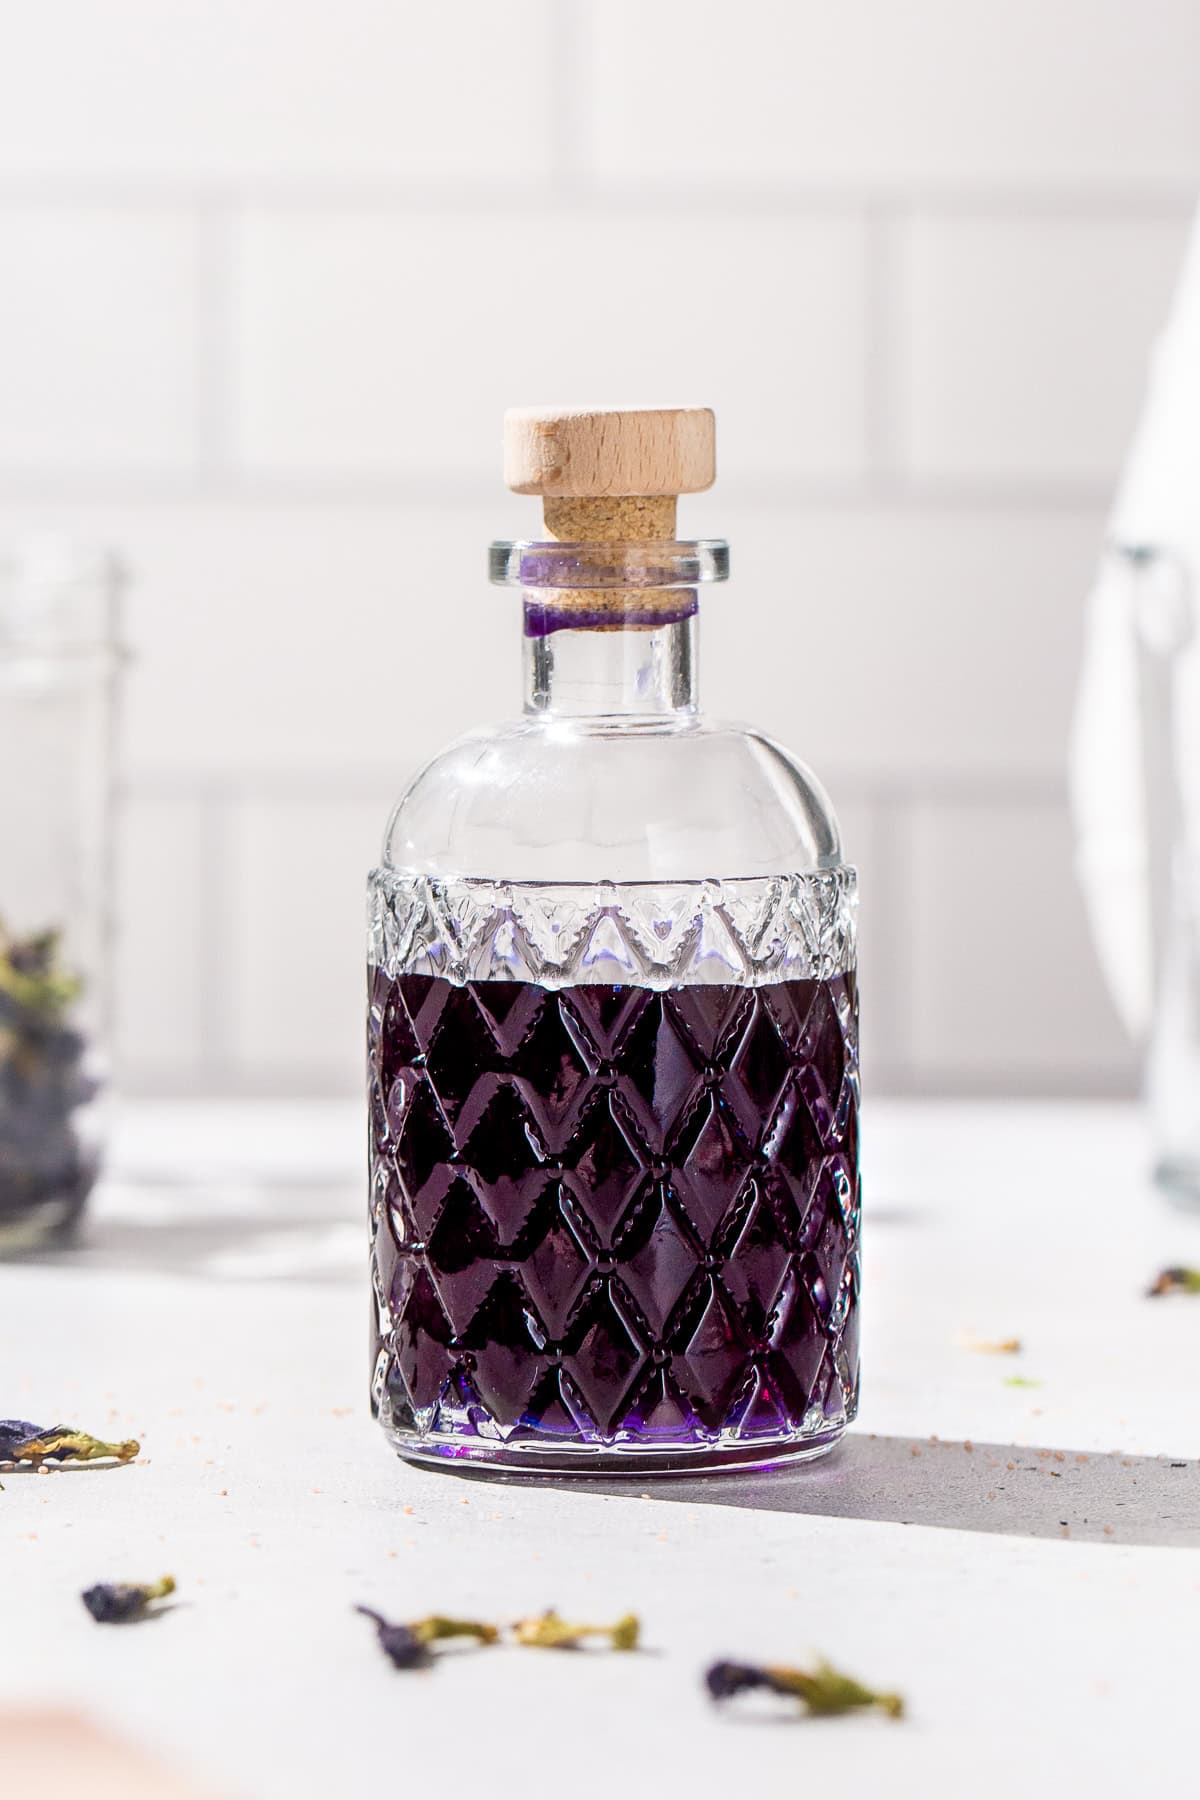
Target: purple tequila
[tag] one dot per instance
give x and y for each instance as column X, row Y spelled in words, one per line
column 607, row 1217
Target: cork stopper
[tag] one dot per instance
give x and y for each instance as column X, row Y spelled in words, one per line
column 609, row 474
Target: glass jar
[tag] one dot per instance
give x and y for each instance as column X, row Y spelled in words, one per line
column 59, row 661
column 613, row 1060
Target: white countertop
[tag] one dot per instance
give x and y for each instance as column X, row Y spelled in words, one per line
column 217, row 1312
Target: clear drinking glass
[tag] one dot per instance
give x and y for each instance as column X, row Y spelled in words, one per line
column 613, row 1060
column 59, row 662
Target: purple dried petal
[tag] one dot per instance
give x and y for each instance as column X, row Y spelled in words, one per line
column 398, row 1642
column 112, row 1603
column 725, row 1679
column 14, row 1433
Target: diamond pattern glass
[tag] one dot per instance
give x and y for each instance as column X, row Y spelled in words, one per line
column 614, row 1223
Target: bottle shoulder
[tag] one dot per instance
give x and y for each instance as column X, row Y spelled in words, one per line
column 540, row 799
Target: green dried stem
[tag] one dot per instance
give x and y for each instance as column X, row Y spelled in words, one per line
column 550, row 1632
column 1175, row 1281
column 68, row 1445
column 32, row 977
column 826, row 1692
column 438, row 1626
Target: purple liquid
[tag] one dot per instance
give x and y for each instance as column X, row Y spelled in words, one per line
column 606, row 1215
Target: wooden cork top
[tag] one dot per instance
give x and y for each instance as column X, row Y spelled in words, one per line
column 609, row 477
column 609, row 473
column 586, row 452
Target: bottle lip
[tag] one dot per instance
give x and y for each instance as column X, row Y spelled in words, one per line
column 523, row 563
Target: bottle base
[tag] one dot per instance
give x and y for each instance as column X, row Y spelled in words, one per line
column 642, row 1460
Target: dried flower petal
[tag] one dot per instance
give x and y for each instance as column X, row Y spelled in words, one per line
column 1009, row 1346
column 22, row 1442
column 824, row 1691
column 14, row 1433
column 31, row 976
column 115, row 1603
column 408, row 1645
column 398, row 1642
column 549, row 1632
column 438, row 1626
column 725, row 1679
column 1174, row 1281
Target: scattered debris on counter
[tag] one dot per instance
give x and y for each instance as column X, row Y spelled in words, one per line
column 548, row 1632
column 1006, row 1346
column 118, row 1603
column 409, row 1646
column 1174, row 1281
column 823, row 1691
column 22, row 1442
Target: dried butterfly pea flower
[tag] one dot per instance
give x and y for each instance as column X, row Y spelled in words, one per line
column 549, row 1632
column 31, row 976
column 408, row 1646
column 44, row 1079
column 21, row 1441
column 824, row 1691
column 1174, row 1281
column 114, row 1603
column 982, row 1346
column 436, row 1625
column 14, row 1433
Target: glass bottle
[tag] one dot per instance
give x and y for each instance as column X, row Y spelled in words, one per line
column 59, row 661
column 613, row 1027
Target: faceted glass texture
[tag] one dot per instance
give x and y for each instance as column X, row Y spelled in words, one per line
column 614, row 1169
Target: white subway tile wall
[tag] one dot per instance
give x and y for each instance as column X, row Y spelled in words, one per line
column 99, row 340
column 413, row 331
column 276, row 90
column 296, row 864
column 945, row 94
column 993, row 933
column 999, row 322
column 271, row 273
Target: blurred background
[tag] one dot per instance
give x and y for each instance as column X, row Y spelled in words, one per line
column 269, row 274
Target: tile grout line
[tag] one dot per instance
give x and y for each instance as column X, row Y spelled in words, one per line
column 1102, row 201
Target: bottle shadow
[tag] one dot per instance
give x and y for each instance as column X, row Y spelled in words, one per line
column 1005, row 1488
column 257, row 1231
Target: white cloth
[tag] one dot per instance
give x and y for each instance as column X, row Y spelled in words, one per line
column 1158, row 506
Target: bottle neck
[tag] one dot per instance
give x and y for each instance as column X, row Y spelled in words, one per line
column 611, row 666
column 610, row 627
